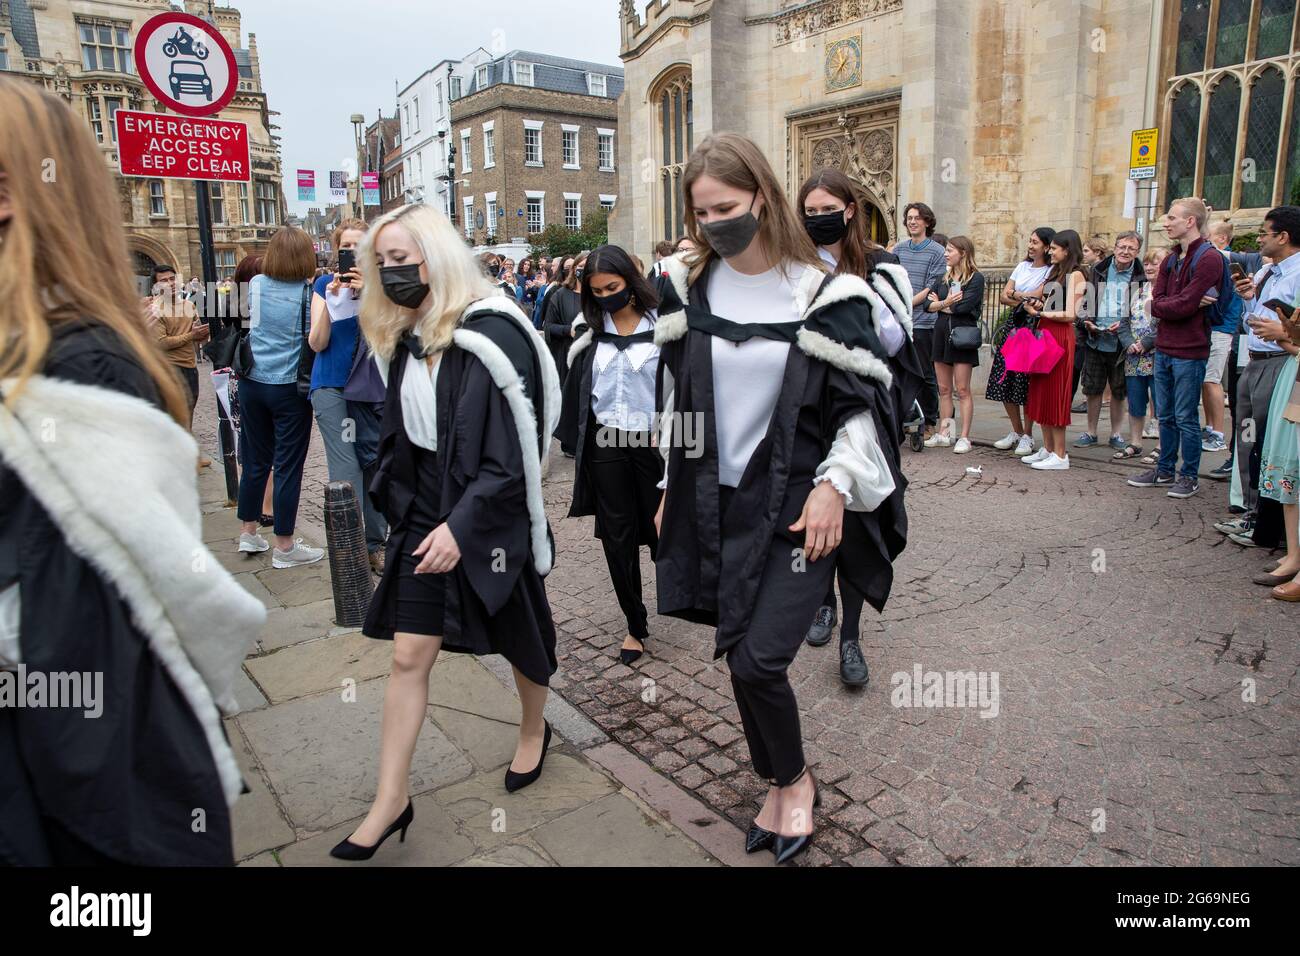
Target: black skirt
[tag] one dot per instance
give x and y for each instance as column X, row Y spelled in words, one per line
column 943, row 348
column 420, row 600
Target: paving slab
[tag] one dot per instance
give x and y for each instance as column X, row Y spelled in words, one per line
column 293, row 625
column 519, row 853
column 614, row 831
column 321, row 755
column 256, row 820
column 488, row 743
column 247, row 693
column 297, row 586
column 462, row 683
column 320, row 665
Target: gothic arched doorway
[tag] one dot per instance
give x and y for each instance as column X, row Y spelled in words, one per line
column 877, row 229
column 142, row 265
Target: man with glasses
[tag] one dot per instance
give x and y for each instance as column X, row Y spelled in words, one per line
column 1117, row 280
column 1279, row 241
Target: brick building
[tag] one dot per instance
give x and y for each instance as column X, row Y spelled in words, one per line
column 536, row 144
column 82, row 51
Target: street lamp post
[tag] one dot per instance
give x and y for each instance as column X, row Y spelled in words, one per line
column 359, row 121
column 450, row 177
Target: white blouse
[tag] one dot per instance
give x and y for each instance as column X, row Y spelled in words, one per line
column 420, row 401
column 623, row 381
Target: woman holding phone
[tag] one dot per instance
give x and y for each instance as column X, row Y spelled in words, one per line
column 333, row 336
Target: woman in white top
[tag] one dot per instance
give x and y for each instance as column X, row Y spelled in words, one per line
column 608, row 419
column 471, row 402
column 778, row 416
column 1012, row 388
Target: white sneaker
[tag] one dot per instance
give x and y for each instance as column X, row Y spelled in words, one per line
column 1035, row 457
column 962, row 446
column 252, row 544
column 1002, row 444
column 299, row 554
column 1052, row 462
column 1025, row 447
column 938, row 440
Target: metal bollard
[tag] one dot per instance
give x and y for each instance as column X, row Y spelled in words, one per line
column 345, row 538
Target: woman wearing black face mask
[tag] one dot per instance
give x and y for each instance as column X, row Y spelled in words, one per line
column 472, row 399
column 563, row 305
column 780, row 427
column 608, row 418
column 829, row 204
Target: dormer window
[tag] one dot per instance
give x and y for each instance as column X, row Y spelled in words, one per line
column 523, row 73
column 596, row 84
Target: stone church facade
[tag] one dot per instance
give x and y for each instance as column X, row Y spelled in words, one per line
column 1002, row 115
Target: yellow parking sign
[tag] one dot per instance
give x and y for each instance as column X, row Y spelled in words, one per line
column 1142, row 154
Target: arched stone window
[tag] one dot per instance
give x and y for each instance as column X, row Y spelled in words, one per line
column 1193, row 29
column 1221, row 142
column 1263, row 132
column 1184, row 121
column 672, row 101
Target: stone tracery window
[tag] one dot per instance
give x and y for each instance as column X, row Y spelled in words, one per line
column 1229, row 121
column 672, row 101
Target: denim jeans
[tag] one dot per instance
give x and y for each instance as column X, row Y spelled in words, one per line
column 341, row 436
column 274, row 430
column 1178, row 398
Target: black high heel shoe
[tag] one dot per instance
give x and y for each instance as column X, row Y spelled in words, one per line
column 759, row 838
column 347, row 850
column 788, row 847
column 629, row 656
column 517, row 781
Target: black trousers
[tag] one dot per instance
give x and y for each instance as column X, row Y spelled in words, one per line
column 928, row 397
column 624, row 472
column 274, row 431
column 852, row 600
column 760, row 662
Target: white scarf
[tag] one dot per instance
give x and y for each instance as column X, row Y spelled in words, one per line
column 117, row 477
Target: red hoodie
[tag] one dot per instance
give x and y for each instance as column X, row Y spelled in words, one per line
column 1184, row 330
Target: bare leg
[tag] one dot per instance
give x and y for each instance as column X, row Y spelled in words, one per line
column 961, row 382
column 406, row 700
column 943, row 375
column 796, row 806
column 532, row 726
column 1013, row 416
column 268, row 496
column 1291, row 562
column 1117, row 405
column 769, row 817
column 1094, row 413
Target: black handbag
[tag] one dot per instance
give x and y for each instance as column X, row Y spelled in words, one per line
column 965, row 336
column 221, row 351
column 307, row 357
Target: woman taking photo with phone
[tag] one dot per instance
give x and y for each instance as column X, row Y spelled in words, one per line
column 958, row 298
column 608, row 419
column 472, row 401
column 334, row 338
column 784, row 366
column 828, row 203
column 1012, row 388
column 103, row 569
column 1049, row 394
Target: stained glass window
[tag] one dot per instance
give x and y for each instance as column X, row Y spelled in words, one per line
column 1230, row 39
column 1221, row 142
column 1193, row 28
column 1184, row 123
column 1262, row 132
column 1275, row 18
column 1291, row 191
column 675, row 126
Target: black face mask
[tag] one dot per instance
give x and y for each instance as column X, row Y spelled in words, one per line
column 494, row 271
column 577, row 274
column 731, row 237
column 614, row 303
column 402, row 284
column 827, row 228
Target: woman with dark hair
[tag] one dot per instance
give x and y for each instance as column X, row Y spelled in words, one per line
column 562, row 307
column 608, row 420
column 1057, row 308
column 784, row 367
column 1012, row 388
column 828, row 203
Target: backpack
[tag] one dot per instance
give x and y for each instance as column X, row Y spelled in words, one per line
column 1225, row 314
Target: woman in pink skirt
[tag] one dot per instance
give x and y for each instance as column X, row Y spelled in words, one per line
column 1049, row 395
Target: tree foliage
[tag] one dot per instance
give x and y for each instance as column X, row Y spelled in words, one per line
column 559, row 240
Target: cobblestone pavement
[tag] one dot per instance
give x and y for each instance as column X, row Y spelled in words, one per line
column 1148, row 703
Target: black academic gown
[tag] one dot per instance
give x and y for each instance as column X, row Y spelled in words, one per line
column 561, row 306
column 120, row 788
column 572, row 433
column 712, row 578
column 495, row 598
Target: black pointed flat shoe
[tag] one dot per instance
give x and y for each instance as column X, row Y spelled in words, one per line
column 629, row 656
column 786, row 848
column 517, row 781
column 758, row 839
column 347, row 850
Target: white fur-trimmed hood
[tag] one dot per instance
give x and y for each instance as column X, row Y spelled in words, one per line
column 117, row 477
column 507, row 379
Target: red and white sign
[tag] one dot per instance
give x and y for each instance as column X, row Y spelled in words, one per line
column 186, row 63
column 177, row 147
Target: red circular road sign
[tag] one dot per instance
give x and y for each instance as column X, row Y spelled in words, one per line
column 186, row 63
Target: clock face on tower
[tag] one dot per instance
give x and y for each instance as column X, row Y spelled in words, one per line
column 843, row 68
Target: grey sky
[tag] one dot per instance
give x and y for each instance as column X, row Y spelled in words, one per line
column 323, row 60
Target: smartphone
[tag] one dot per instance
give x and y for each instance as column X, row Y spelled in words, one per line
column 1278, row 304
column 347, row 262
column 1238, row 271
